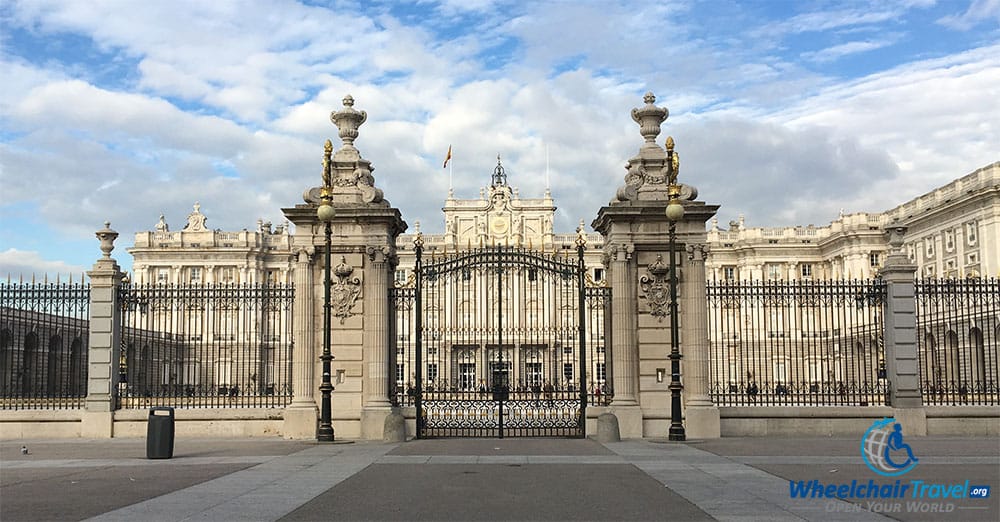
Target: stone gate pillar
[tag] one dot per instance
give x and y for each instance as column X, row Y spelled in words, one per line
column 901, row 354
column 363, row 244
column 635, row 230
column 104, row 350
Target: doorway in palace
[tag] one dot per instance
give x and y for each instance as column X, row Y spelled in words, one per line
column 500, row 342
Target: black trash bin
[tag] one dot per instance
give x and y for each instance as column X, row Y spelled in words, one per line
column 160, row 433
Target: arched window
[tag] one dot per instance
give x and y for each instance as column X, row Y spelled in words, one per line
column 952, row 366
column 978, row 362
column 932, row 368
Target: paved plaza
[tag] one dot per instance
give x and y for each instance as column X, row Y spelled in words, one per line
column 478, row 479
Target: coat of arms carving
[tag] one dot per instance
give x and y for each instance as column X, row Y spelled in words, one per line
column 345, row 291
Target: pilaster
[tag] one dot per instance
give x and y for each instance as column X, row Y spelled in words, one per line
column 300, row 416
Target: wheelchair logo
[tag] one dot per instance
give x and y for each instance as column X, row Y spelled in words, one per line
column 884, row 451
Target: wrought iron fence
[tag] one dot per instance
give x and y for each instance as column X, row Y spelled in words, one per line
column 44, row 334
column 958, row 335
column 206, row 346
column 790, row 343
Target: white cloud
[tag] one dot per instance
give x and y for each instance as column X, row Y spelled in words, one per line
column 18, row 264
column 979, row 11
column 846, row 49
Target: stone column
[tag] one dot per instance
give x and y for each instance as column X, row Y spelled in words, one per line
column 104, row 343
column 902, row 368
column 375, row 400
column 624, row 346
column 702, row 417
column 300, row 416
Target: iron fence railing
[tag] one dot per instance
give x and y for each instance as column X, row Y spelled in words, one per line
column 44, row 334
column 206, row 346
column 958, row 335
column 791, row 343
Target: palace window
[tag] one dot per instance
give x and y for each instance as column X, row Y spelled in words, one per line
column 970, row 233
column 163, row 275
column 401, row 276
column 568, row 372
column 227, row 275
column 432, row 371
column 598, row 275
column 400, row 373
column 773, row 272
column 807, row 271
column 873, row 259
column 195, row 275
column 729, row 273
column 601, row 373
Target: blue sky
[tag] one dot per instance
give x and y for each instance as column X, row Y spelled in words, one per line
column 783, row 111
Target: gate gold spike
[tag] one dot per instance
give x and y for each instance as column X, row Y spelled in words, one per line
column 529, row 243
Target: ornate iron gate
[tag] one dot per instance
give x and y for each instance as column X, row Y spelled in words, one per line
column 500, row 342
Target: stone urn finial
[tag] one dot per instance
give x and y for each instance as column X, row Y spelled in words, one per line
column 347, row 121
column 649, row 118
column 107, row 237
column 895, row 233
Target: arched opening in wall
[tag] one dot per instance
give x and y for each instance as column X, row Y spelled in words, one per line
column 952, row 364
column 977, row 364
column 129, row 376
column 931, row 368
column 6, row 360
column 53, row 358
column 860, row 355
column 76, row 378
column 26, row 374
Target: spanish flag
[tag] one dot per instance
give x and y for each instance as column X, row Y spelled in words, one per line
column 447, row 158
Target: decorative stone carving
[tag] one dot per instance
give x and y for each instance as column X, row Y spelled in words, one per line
column 345, row 291
column 656, row 288
column 377, row 254
column 649, row 118
column 348, row 120
column 107, row 237
column 697, row 252
column 196, row 220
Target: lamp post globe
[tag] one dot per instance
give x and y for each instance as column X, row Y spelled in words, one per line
column 675, row 210
column 325, row 212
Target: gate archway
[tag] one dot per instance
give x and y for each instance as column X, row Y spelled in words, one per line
column 500, row 342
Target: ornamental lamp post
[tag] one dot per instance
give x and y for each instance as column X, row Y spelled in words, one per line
column 675, row 213
column 325, row 213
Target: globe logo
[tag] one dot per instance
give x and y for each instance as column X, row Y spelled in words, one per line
column 884, row 451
